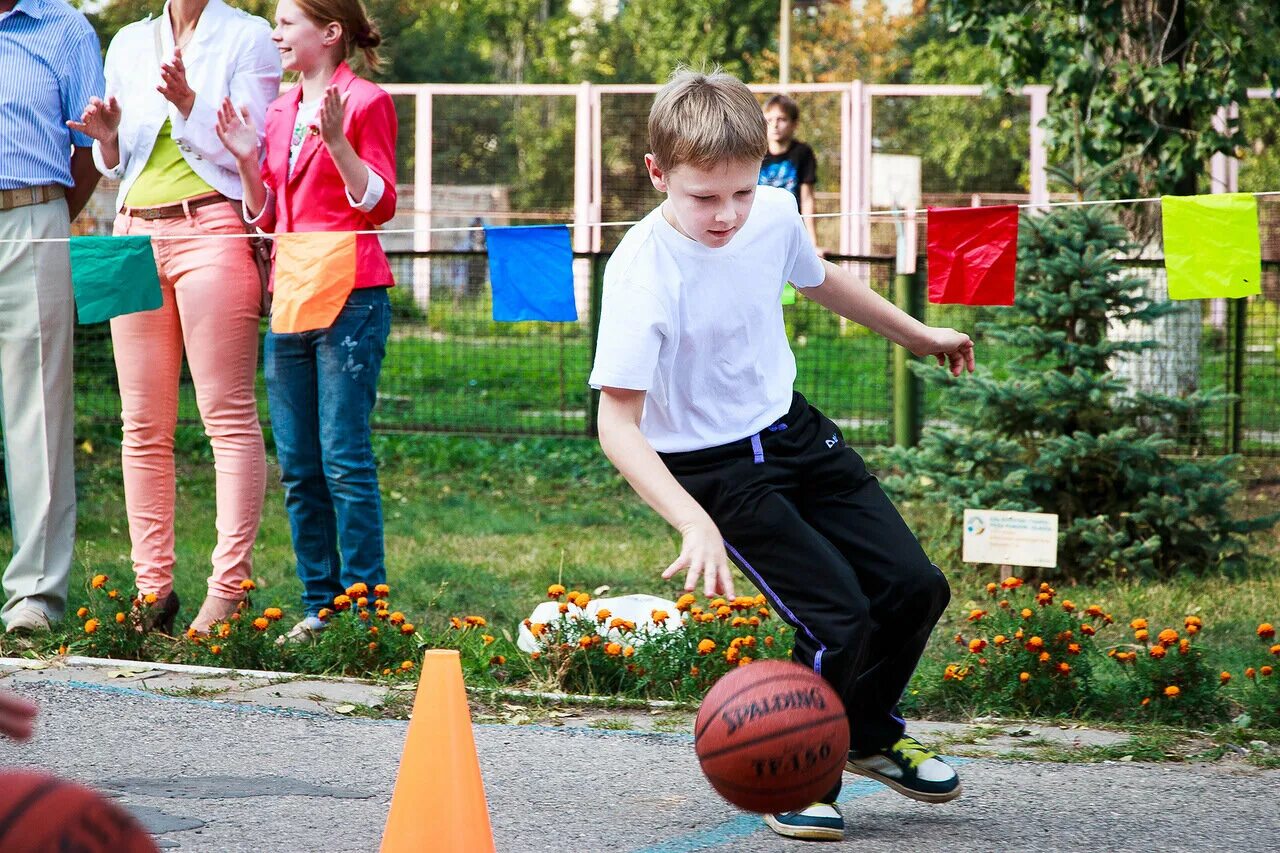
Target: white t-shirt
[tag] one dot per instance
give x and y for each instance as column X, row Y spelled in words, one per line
column 307, row 113
column 700, row 329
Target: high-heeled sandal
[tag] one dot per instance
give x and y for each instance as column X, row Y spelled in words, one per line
column 212, row 611
column 159, row 617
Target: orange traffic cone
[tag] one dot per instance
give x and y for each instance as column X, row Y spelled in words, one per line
column 438, row 803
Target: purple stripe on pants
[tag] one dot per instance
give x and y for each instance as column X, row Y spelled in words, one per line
column 777, row 602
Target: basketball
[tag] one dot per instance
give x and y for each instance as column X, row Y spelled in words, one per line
column 40, row 813
column 772, row 736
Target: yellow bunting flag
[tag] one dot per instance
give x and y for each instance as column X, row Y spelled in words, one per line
column 1211, row 245
column 314, row 274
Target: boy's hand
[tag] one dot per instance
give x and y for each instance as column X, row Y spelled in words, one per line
column 702, row 553
column 16, row 716
column 949, row 347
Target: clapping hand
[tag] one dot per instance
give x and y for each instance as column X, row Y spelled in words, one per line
column 100, row 121
column 332, row 111
column 236, row 130
column 173, row 85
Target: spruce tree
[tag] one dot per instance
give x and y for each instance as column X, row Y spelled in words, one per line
column 1057, row 432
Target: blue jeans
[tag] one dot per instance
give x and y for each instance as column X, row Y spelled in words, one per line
column 321, row 389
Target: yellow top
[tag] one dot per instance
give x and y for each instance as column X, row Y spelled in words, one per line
column 166, row 178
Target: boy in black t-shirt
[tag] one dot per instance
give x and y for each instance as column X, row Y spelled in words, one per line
column 790, row 163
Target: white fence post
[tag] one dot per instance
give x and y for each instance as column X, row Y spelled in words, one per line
column 1039, row 154
column 422, row 143
column 582, row 180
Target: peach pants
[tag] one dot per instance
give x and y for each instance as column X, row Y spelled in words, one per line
column 210, row 310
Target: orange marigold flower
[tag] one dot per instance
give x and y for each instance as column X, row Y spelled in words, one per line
column 1093, row 610
column 686, row 601
column 1193, row 620
column 477, row 621
column 1064, row 667
column 706, row 617
column 603, row 614
column 114, row 594
column 1224, row 677
column 763, row 613
column 975, row 615
column 738, row 622
column 1000, row 639
column 1172, row 691
column 261, row 623
column 1157, row 652
column 693, row 670
column 976, row 645
column 1275, row 650
column 1063, row 636
column 1035, row 644
column 82, row 612
column 535, row 655
column 1146, row 700
column 1266, row 631
column 119, row 618
column 382, row 590
column 98, row 582
column 627, row 651
column 1248, row 673
column 768, row 641
column 358, row 589
column 1088, row 630
column 1138, row 624
column 1011, row 583
column 659, row 615
column 486, row 638
column 1141, row 635
column 992, row 588
column 613, row 649
column 91, row 626
column 373, row 645
column 1044, row 587
column 342, row 602
column 407, row 628
column 537, row 628
column 405, row 666
column 247, row 585
column 960, row 640
column 150, row 598
column 1073, row 648
column 1017, row 635
column 1068, row 605
column 586, row 642
column 214, row 650
column 564, row 608
column 381, row 603
column 1193, row 629
column 362, row 602
column 324, row 614
column 706, row 647
column 1024, row 677
column 1044, row 599
column 1044, row 657
column 950, row 672
column 1265, row 670
column 555, row 591
column 731, row 655
column 273, row 613
column 724, row 611
column 455, row 622
column 583, row 599
column 1026, row 613
column 717, row 603
column 753, row 621
column 1184, row 646
column 1167, row 637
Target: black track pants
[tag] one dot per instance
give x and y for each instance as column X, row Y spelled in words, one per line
column 803, row 518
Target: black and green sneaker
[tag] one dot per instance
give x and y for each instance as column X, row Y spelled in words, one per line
column 909, row 768
column 818, row 822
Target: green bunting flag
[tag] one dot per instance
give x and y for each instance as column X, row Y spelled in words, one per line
column 113, row 276
column 1211, row 245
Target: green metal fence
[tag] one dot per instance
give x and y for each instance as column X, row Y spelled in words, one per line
column 451, row 369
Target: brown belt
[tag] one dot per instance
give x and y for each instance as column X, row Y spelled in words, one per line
column 173, row 211
column 23, row 196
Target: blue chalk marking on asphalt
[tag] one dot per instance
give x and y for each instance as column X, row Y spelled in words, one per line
column 744, row 825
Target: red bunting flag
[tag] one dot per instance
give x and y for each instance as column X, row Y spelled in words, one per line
column 972, row 254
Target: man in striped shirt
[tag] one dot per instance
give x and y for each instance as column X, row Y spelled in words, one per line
column 50, row 66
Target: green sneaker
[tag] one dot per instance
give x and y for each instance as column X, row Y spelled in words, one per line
column 818, row 822
column 909, row 768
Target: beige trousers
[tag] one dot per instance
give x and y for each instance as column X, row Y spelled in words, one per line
column 37, row 321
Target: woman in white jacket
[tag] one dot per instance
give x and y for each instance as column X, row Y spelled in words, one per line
column 155, row 133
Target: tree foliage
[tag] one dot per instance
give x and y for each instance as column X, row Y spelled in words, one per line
column 1059, row 433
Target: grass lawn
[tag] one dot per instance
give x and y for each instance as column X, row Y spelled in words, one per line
column 482, row 526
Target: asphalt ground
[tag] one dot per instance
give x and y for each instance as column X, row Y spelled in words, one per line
column 214, row 775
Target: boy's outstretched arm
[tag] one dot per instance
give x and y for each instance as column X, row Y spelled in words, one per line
column 843, row 294
column 702, row 549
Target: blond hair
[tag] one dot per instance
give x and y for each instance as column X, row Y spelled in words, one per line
column 705, row 119
column 359, row 32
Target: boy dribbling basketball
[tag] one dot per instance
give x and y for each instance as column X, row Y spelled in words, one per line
column 698, row 413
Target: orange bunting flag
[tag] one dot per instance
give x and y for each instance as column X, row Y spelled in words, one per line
column 972, row 254
column 314, row 274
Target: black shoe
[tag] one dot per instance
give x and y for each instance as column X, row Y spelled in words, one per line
column 159, row 617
